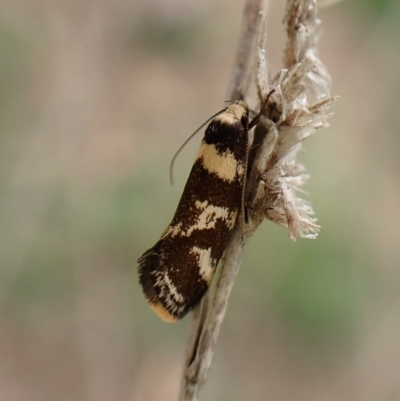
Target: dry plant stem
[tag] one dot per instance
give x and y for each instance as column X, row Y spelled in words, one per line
column 240, row 71
column 208, row 317
column 207, row 330
column 286, row 119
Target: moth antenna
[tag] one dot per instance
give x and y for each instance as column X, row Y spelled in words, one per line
column 243, row 196
column 171, row 166
column 256, row 119
column 252, row 112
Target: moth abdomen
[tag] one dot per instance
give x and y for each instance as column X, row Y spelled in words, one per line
column 177, row 271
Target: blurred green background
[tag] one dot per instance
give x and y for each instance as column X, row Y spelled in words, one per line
column 95, row 98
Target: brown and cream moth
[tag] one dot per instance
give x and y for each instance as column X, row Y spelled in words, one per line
column 177, row 271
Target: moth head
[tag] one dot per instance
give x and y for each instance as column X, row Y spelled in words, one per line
column 236, row 112
column 238, row 109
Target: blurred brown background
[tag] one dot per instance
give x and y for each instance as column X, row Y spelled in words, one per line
column 95, row 97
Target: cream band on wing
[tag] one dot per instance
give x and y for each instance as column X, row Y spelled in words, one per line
column 206, row 220
column 224, row 165
column 205, row 263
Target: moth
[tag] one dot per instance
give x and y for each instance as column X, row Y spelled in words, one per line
column 177, row 271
